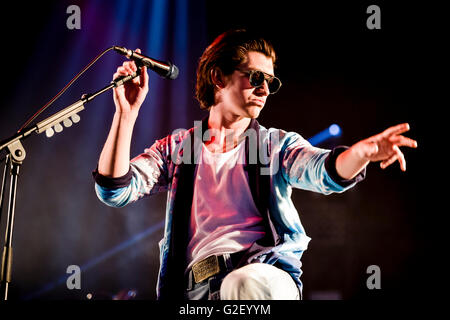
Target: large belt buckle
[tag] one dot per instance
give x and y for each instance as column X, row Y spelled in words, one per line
column 205, row 268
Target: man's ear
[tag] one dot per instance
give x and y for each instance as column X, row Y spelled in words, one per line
column 217, row 78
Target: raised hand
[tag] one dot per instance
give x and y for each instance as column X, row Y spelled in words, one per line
column 130, row 96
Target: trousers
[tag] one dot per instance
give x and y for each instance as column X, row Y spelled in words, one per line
column 255, row 281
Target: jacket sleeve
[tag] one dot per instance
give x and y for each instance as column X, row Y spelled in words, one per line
column 310, row 168
column 147, row 175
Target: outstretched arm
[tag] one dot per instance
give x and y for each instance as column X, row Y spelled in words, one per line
column 382, row 147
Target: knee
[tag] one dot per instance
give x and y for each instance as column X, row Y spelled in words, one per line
column 239, row 285
column 258, row 281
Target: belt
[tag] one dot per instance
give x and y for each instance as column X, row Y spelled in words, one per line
column 212, row 265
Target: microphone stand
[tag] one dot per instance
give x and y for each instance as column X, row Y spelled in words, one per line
column 16, row 155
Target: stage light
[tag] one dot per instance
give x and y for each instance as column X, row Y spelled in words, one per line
column 333, row 130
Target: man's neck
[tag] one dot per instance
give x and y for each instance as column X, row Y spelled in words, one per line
column 227, row 130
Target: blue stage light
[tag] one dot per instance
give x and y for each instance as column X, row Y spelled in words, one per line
column 332, row 131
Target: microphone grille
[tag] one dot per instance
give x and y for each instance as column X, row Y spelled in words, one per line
column 173, row 72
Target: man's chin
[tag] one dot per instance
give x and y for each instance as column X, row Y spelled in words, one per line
column 254, row 111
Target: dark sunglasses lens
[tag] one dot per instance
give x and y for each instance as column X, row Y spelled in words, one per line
column 274, row 85
column 256, row 78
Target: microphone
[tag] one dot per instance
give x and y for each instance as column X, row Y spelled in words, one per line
column 164, row 69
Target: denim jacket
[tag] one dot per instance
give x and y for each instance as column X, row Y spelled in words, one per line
column 276, row 162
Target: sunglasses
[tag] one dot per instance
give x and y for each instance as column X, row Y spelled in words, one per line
column 256, row 79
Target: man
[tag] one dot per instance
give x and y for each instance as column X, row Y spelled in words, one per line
column 232, row 231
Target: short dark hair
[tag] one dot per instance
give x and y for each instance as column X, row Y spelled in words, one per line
column 225, row 53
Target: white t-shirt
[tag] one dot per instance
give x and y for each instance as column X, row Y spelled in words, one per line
column 224, row 217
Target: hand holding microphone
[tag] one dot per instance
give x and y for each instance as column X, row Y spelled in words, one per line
column 132, row 94
column 129, row 97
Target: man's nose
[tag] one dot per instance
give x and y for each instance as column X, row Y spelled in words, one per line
column 263, row 90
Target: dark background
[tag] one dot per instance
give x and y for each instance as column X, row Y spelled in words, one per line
column 333, row 69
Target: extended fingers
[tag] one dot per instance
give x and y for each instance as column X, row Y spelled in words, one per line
column 398, row 129
column 398, row 155
column 403, row 141
column 386, row 163
column 400, row 158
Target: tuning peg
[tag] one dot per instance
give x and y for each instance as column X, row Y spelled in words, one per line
column 58, row 127
column 49, row 132
column 75, row 118
column 67, row 123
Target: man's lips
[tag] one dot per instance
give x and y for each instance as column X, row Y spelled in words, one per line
column 258, row 101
